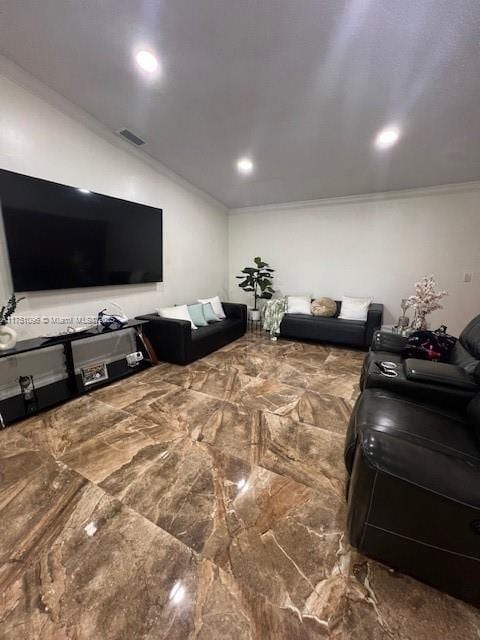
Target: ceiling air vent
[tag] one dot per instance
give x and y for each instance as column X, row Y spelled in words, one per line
column 131, row 137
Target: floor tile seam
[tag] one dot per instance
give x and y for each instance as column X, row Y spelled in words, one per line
column 258, row 464
column 92, row 483
column 128, row 507
column 257, row 377
column 305, row 423
column 338, row 494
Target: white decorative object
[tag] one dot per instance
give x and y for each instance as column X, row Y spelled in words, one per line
column 425, row 300
column 254, row 315
column 299, row 304
column 354, row 308
column 176, row 313
column 112, row 319
column 216, row 304
column 134, row 358
column 8, row 337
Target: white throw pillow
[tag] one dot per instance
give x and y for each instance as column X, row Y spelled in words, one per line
column 216, row 304
column 299, row 304
column 354, row 308
column 176, row 313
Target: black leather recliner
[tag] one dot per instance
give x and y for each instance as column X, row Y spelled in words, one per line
column 414, row 489
column 453, row 384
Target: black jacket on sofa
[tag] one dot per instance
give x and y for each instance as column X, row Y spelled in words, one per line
column 175, row 340
column 356, row 333
column 453, row 384
column 414, row 490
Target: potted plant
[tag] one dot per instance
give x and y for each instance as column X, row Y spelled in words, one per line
column 8, row 336
column 257, row 280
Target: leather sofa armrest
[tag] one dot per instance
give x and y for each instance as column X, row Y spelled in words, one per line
column 170, row 338
column 237, row 311
column 476, row 374
column 442, row 373
column 374, row 321
column 167, row 323
column 388, row 341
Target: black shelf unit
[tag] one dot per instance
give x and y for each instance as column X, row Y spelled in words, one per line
column 15, row 408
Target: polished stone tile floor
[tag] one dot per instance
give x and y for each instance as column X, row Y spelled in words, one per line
column 201, row 502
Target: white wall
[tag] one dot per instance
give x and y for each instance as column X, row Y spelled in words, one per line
column 38, row 139
column 368, row 246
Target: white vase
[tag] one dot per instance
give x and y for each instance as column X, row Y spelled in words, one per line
column 8, row 337
column 254, row 314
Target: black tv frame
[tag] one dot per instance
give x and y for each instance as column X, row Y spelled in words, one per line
column 75, row 194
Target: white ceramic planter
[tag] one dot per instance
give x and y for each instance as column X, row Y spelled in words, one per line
column 8, row 337
column 254, row 314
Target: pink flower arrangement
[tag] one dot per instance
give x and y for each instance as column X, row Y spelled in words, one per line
column 425, row 300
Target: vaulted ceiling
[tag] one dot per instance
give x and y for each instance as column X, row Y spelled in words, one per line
column 300, row 86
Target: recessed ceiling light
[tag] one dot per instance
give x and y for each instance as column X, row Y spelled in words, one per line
column 245, row 166
column 85, row 191
column 146, row 61
column 387, row 137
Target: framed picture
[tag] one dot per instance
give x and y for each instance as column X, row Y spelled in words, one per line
column 94, row 373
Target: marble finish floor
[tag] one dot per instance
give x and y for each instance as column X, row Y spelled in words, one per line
column 201, row 502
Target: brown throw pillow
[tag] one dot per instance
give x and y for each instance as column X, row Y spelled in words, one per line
column 324, row 307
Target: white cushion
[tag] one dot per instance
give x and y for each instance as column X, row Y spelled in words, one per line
column 299, row 304
column 354, row 308
column 176, row 313
column 216, row 304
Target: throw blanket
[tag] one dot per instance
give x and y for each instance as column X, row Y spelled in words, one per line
column 273, row 315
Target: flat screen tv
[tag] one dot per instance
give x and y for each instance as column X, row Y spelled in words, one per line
column 61, row 237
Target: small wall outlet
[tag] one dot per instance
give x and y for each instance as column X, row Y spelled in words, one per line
column 467, row 277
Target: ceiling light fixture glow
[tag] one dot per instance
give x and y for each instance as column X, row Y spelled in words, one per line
column 387, row 137
column 85, row 191
column 146, row 61
column 245, row 166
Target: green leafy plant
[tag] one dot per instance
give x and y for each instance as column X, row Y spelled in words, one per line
column 257, row 280
column 9, row 309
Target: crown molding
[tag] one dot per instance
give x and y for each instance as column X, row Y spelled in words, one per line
column 26, row 80
column 366, row 197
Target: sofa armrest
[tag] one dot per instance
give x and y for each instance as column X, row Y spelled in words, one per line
column 442, row 373
column 170, row 338
column 374, row 321
column 388, row 341
column 237, row 311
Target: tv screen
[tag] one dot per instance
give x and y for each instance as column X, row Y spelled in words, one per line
column 61, row 237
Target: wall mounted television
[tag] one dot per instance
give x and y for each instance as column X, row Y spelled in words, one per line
column 61, row 237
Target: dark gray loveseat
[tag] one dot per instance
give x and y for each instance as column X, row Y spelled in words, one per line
column 355, row 333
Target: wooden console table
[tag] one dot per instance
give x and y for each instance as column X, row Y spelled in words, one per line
column 15, row 407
